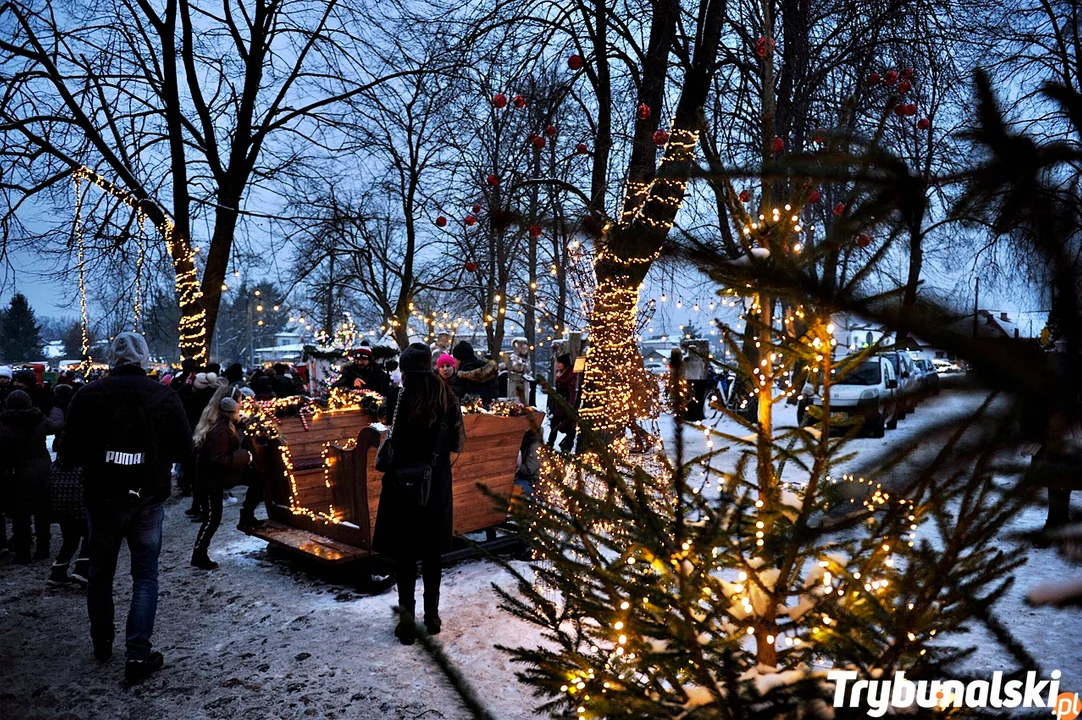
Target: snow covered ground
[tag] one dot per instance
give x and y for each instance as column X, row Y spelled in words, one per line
column 260, row 638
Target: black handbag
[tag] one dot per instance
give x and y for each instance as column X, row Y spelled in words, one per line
column 412, row 483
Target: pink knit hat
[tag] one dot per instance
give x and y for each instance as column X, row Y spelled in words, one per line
column 446, row 359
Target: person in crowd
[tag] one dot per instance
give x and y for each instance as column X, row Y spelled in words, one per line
column 221, row 465
column 5, row 382
column 442, row 345
column 561, row 419
column 363, row 374
column 27, row 381
column 66, row 494
column 474, row 376
column 126, row 431
column 195, row 397
column 25, row 463
column 263, row 388
column 234, row 375
column 282, row 381
column 446, row 366
column 188, row 369
column 426, row 426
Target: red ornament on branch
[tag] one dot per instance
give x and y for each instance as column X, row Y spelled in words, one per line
column 890, row 77
column 551, row 131
column 660, row 137
column 470, row 221
column 441, row 221
column 519, row 101
column 499, row 100
column 761, row 45
column 873, row 79
column 535, row 231
column 493, row 180
column 643, row 113
column 779, row 144
column 907, row 73
column 901, row 109
column 864, row 241
column 904, row 86
column 924, row 124
column 581, row 149
column 814, row 197
column 745, row 196
column 476, row 208
column 471, row 267
column 538, row 142
column 575, row 62
column 839, row 209
column 911, row 109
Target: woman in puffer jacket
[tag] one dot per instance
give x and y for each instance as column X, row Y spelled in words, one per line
column 221, row 466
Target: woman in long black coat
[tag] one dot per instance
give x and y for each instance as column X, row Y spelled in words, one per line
column 406, row 530
column 24, row 472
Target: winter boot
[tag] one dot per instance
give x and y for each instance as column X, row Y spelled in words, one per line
column 193, row 510
column 248, row 521
column 103, row 650
column 58, row 575
column 136, row 671
column 201, row 561
column 81, row 572
column 200, row 517
column 432, row 613
column 406, row 630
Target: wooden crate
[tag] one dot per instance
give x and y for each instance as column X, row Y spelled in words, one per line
column 489, row 459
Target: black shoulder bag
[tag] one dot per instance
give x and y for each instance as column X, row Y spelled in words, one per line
column 413, row 483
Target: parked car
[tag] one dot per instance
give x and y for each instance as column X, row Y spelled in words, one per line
column 908, row 382
column 870, row 389
column 657, row 368
column 929, row 378
column 945, row 367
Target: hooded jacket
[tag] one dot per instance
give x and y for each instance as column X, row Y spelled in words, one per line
column 475, row 376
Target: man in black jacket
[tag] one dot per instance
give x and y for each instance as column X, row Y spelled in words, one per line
column 363, row 374
column 475, row 376
column 126, row 431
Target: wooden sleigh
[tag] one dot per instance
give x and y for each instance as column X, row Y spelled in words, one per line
column 322, row 488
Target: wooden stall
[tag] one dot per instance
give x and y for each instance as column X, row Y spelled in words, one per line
column 322, row 487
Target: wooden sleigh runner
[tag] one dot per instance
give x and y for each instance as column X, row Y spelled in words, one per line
column 322, row 488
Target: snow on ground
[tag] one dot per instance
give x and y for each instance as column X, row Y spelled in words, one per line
column 263, row 638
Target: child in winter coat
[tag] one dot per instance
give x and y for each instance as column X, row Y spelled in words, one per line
column 25, row 466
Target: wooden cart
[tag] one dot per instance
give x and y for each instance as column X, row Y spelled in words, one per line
column 322, row 488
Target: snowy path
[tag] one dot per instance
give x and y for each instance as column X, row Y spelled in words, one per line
column 261, row 639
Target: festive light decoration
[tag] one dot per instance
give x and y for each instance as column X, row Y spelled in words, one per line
column 476, row 208
column 538, row 142
column 470, row 266
column 581, row 149
column 814, row 197
column 493, row 180
column 519, row 101
column 193, row 333
column 745, row 196
column 441, row 221
column 499, row 101
column 660, row 137
column 873, row 78
column 470, row 220
column 890, row 77
column 904, row 87
column 779, row 144
column 762, row 44
column 84, row 354
column 550, row 131
column 575, row 62
column 839, row 209
column 864, row 240
column 924, row 124
column 643, row 112
column 535, row 230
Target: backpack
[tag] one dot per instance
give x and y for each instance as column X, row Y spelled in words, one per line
column 131, row 449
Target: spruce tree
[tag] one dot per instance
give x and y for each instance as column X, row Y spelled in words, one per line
column 20, row 333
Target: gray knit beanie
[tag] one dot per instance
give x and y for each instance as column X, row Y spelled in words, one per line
column 228, row 405
column 129, row 348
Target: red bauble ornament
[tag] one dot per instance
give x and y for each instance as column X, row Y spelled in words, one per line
column 890, row 77
column 643, row 113
column 538, row 142
column 470, row 221
column 581, row 149
column 519, row 101
column 904, row 86
column 924, row 124
column 779, row 144
column 864, row 241
column 873, row 79
column 471, row 267
column 499, row 100
column 493, row 180
column 660, row 137
column 535, row 231
column 814, row 197
column 745, row 196
column 575, row 62
column 551, row 131
column 760, row 46
column 839, row 209
column 907, row 73
column 441, row 221
column 477, row 208
column 901, row 109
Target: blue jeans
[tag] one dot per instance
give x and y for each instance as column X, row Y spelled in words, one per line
column 142, row 528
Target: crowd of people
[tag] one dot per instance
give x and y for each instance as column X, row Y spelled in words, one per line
column 121, row 439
